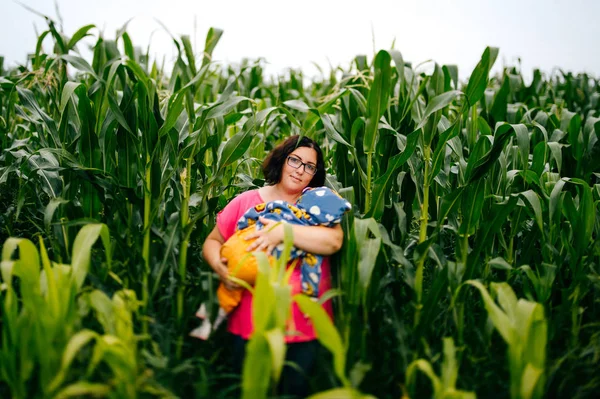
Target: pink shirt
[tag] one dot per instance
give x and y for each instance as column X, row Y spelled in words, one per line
column 240, row 320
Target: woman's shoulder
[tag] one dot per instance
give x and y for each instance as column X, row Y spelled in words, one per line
column 250, row 195
column 228, row 216
column 245, row 200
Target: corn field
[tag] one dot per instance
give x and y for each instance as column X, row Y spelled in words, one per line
column 471, row 260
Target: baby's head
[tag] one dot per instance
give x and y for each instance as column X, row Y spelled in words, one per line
column 324, row 205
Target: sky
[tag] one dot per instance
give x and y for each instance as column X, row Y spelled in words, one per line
column 544, row 34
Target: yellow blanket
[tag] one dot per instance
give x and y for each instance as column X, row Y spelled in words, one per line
column 241, row 264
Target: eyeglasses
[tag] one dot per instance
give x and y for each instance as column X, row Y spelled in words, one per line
column 297, row 162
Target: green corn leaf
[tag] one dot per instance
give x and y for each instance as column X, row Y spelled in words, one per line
column 85, row 239
column 276, row 341
column 114, row 107
column 483, row 127
column 382, row 183
column 584, row 217
column 90, row 154
column 76, row 343
column 570, row 210
column 257, row 368
column 523, row 327
column 263, row 302
column 479, row 77
column 431, row 304
column 103, row 306
column 451, row 75
column 298, row 105
column 368, row 248
column 498, row 110
column 28, row 100
column 67, row 94
column 118, row 355
column 448, row 204
column 378, row 98
column 399, row 62
column 449, row 365
column 437, row 103
column 472, row 205
column 481, row 166
column 326, row 333
column 531, row 378
column 522, row 135
column 540, row 156
column 82, row 389
column 37, row 58
column 499, row 263
column 500, row 319
column 49, row 286
column 534, row 202
column 592, row 154
column 240, row 142
column 79, row 64
column 189, row 53
column 235, row 148
column 359, row 100
column 440, row 149
column 212, row 39
column 138, row 72
column 332, row 133
column 575, row 136
column 533, row 331
column 27, row 268
column 332, row 100
column 80, row 34
column 225, row 107
column 290, row 116
column 426, row 368
column 128, row 46
column 556, row 152
column 174, row 110
column 341, row 393
column 5, row 172
column 507, row 299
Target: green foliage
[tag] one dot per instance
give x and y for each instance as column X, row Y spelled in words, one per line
column 488, row 183
column 523, row 327
column 42, row 334
column 444, row 386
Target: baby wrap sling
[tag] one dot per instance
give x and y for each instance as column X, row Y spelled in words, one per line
column 316, row 207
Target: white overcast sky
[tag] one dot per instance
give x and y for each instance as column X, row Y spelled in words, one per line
column 544, row 33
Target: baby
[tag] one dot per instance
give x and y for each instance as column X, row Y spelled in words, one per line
column 316, row 207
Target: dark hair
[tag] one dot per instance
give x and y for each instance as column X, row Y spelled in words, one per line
column 274, row 162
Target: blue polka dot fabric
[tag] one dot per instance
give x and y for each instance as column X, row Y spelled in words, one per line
column 318, row 206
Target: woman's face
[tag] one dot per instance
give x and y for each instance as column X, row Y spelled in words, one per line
column 296, row 180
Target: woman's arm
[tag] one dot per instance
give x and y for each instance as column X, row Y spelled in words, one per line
column 211, row 251
column 318, row 240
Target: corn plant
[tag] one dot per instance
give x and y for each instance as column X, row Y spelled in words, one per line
column 524, row 328
column 444, row 386
column 492, row 178
column 38, row 323
column 265, row 351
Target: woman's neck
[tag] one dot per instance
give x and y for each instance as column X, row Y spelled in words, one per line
column 276, row 192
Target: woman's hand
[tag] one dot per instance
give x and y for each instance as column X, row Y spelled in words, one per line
column 223, row 272
column 211, row 252
column 270, row 236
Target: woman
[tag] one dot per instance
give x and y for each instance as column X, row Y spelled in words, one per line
column 295, row 164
